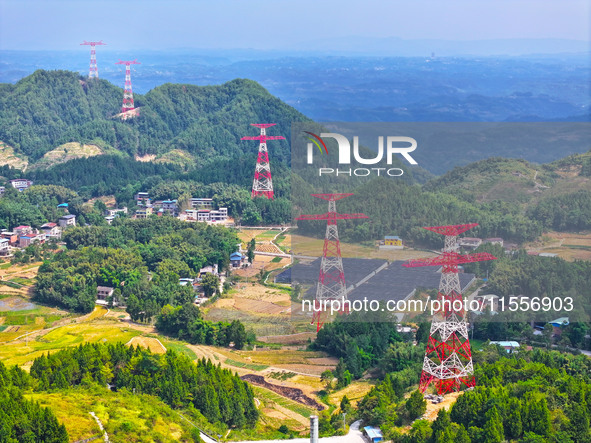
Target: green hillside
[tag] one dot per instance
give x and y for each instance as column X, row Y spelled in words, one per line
column 50, row 108
column 515, row 180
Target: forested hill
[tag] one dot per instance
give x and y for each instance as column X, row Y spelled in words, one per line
column 515, row 180
column 50, row 108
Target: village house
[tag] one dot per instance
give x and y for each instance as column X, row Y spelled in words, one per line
column 52, row 230
column 67, row 220
column 142, row 198
column 237, row 259
column 509, row 346
column 12, row 237
column 197, row 203
column 22, row 230
column 558, row 324
column 143, row 212
column 469, row 242
column 221, row 215
column 391, row 242
column 2, row 191
column 494, row 241
column 31, row 238
column 20, row 184
column 103, row 293
column 4, row 247
column 114, row 212
column 169, row 206
column 488, row 301
column 207, row 270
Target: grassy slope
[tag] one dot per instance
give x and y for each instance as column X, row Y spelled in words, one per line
column 515, row 181
column 125, row 416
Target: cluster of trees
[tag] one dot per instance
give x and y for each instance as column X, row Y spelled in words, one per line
column 534, row 276
column 358, row 342
column 105, row 175
column 22, row 419
column 384, row 404
column 568, row 212
column 217, row 393
column 185, row 322
column 142, row 259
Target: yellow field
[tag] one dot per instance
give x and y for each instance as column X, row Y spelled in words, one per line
column 569, row 246
column 23, row 351
column 150, row 343
column 354, row 392
column 256, row 299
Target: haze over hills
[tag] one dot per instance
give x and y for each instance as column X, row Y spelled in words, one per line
column 343, row 87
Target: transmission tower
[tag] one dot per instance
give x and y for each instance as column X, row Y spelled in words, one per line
column 127, row 92
column 263, row 184
column 93, row 72
column 331, row 282
column 448, row 358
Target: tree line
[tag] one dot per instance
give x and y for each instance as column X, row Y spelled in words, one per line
column 217, row 393
column 22, row 420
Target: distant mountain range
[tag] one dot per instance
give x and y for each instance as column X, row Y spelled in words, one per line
column 339, row 86
column 394, row 46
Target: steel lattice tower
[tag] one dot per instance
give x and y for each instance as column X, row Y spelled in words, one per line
column 331, row 282
column 448, row 357
column 93, row 72
column 127, row 92
column 263, row 184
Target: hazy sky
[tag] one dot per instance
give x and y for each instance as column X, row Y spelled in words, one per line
column 280, row 24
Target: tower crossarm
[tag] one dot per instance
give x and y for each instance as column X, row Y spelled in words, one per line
column 449, row 259
column 331, row 216
column 128, row 62
column 263, row 138
column 85, row 43
column 451, row 229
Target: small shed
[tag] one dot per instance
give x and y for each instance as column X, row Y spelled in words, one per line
column 508, row 345
column 236, row 259
column 373, row 434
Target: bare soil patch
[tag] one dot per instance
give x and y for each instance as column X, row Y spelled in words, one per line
column 294, row 394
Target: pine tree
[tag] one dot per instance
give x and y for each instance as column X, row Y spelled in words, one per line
column 441, row 424
column 513, row 425
column 416, row 405
column 578, row 428
column 493, row 428
column 462, row 435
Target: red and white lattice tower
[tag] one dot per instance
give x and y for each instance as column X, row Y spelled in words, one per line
column 127, row 92
column 448, row 358
column 263, row 184
column 93, row 72
column 331, row 282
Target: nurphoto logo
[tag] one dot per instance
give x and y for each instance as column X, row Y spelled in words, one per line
column 394, row 145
